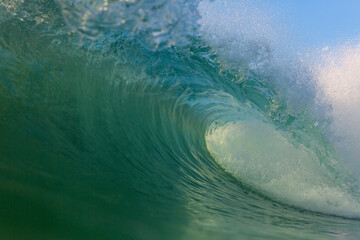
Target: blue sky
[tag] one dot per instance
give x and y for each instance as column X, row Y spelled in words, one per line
column 319, row 22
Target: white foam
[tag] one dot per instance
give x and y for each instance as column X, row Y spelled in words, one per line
column 260, row 156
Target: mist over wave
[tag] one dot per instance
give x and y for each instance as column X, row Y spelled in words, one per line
column 337, row 79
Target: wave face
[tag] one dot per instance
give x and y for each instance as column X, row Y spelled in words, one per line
column 171, row 120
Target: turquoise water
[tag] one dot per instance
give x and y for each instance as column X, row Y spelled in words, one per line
column 131, row 120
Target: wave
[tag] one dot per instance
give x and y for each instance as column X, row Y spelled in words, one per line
column 105, row 103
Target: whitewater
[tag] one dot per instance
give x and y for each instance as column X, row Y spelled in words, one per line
column 173, row 120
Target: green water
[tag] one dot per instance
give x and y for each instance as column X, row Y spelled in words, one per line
column 109, row 138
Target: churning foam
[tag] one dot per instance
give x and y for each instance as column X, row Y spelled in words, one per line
column 259, row 155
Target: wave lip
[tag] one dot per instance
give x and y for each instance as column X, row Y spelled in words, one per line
column 260, row 156
column 159, row 24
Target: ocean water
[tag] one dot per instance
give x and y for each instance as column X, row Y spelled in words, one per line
column 173, row 120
